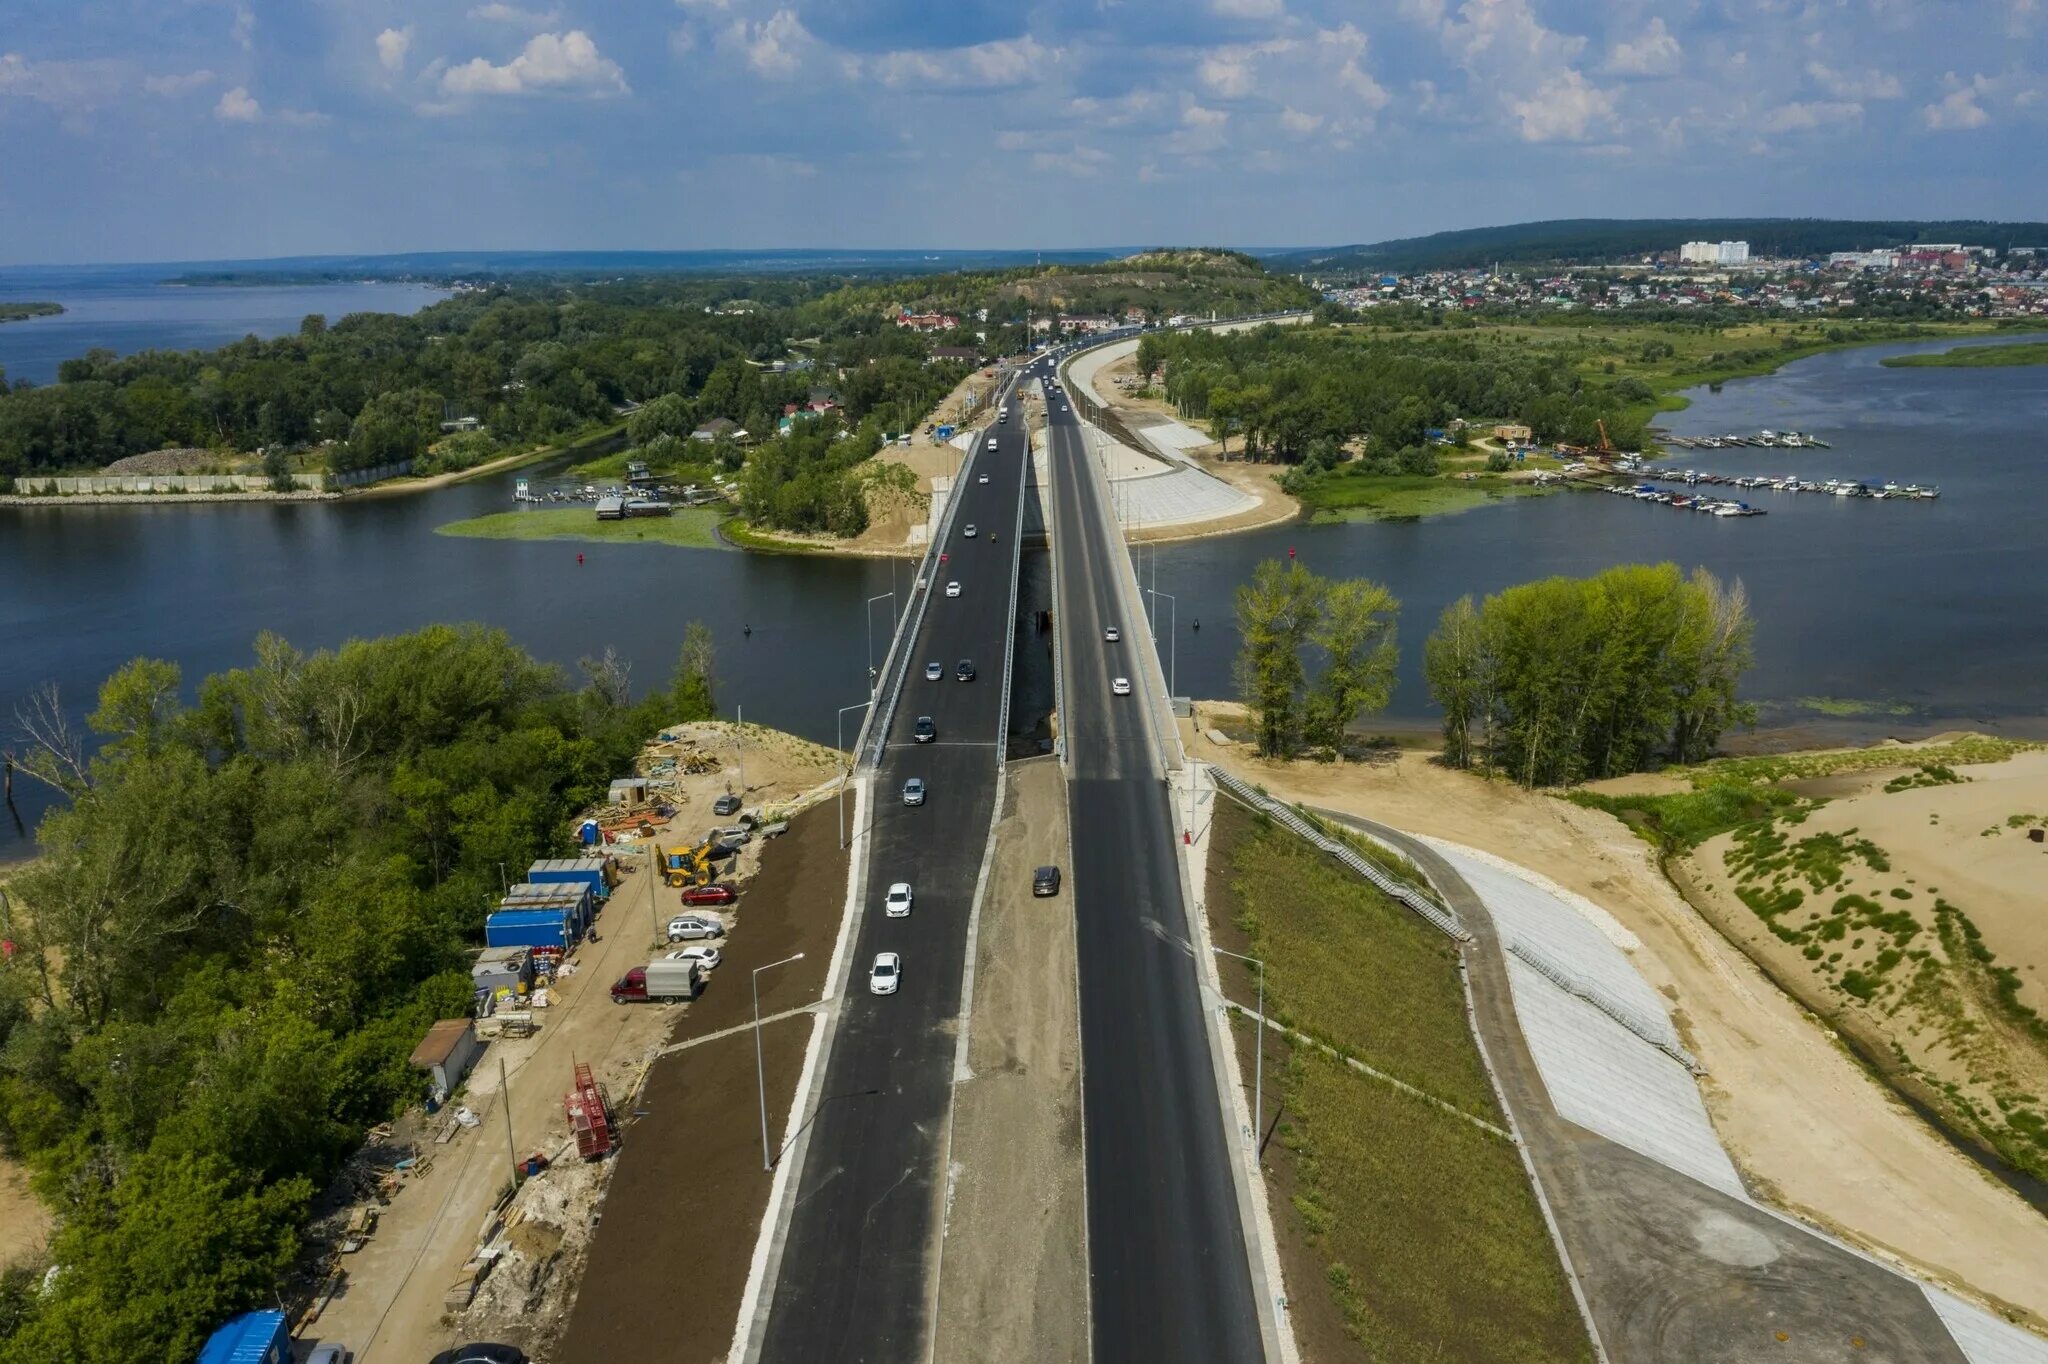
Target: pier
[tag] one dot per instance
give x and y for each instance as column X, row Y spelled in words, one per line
column 1828, row 487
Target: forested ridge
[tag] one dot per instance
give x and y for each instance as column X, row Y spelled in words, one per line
column 238, row 930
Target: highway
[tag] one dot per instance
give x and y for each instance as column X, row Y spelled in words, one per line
column 1168, row 1273
column 854, row 1282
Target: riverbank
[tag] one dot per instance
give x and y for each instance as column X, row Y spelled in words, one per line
column 1973, row 357
column 1811, row 1130
column 687, row 528
column 22, row 312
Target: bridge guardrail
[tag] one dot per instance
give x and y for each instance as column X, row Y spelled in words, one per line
column 1016, row 574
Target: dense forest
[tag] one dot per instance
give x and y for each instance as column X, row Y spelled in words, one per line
column 239, row 928
column 1571, row 241
column 1575, row 679
column 1310, row 395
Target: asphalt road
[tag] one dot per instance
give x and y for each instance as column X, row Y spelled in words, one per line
column 854, row 1279
column 1168, row 1272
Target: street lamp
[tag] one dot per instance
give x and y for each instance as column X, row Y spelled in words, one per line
column 1258, row 1065
column 760, row 1072
column 879, row 596
column 847, row 770
column 1173, row 633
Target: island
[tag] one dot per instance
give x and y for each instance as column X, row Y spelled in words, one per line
column 22, row 312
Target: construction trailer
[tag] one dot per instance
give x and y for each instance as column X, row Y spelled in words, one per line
column 590, row 871
column 502, row 968
column 590, row 1115
column 550, row 894
column 446, row 1054
column 252, row 1338
column 550, row 927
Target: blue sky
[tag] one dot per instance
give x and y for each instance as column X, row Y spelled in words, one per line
column 184, row 129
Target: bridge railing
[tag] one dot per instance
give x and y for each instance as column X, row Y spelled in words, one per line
column 1016, row 575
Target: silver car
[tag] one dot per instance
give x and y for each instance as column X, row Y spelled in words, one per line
column 913, row 791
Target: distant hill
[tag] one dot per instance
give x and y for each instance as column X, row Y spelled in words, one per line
column 1583, row 240
column 487, row 265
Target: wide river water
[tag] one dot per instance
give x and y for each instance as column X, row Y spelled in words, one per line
column 1921, row 613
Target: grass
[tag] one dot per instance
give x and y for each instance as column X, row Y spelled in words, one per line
column 1845, row 707
column 1973, row 357
column 1349, row 492
column 1430, row 1239
column 689, row 528
column 737, row 531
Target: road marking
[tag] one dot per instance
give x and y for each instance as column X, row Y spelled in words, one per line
column 747, row 1026
column 946, row 743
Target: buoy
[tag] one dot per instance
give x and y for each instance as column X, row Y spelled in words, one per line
column 747, row 630
column 579, row 558
column 1198, row 622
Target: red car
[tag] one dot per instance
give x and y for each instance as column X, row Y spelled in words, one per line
column 709, row 895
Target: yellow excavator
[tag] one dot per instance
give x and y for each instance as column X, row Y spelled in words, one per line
column 684, row 865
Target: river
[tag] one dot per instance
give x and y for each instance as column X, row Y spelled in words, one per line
column 1923, row 613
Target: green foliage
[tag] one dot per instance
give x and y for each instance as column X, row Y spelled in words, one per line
column 1286, row 609
column 238, row 930
column 1973, row 357
column 390, row 428
column 1575, row 679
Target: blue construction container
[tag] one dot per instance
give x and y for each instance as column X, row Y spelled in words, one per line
column 552, row 895
column 551, row 927
column 588, row 870
column 252, row 1338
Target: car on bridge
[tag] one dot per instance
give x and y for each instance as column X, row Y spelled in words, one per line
column 934, row 670
column 913, row 791
column 965, row 672
column 953, row 589
column 924, row 731
column 885, row 974
column 982, row 479
column 969, row 532
column 896, row 904
column 1120, row 687
column 1110, row 634
column 991, row 442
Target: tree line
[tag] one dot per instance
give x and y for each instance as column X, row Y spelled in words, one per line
column 1550, row 683
column 239, row 927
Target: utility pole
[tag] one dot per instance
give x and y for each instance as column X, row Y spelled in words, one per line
column 760, row 1071
column 505, row 1098
column 739, row 736
column 1259, row 1064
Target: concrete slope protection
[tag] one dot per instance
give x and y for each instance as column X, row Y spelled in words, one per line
column 853, row 1279
column 1168, row 1275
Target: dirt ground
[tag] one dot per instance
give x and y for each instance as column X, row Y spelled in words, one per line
column 1808, row 1127
column 680, row 1219
column 780, row 768
column 24, row 1222
column 1014, row 1268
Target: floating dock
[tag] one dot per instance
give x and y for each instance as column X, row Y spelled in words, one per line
column 1827, row 487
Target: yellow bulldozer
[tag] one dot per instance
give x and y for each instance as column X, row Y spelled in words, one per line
column 685, row 865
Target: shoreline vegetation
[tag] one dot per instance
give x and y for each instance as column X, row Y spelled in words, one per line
column 1973, row 357
column 23, row 311
column 688, row 528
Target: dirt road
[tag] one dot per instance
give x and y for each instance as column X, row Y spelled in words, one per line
column 1809, row 1129
column 1014, row 1272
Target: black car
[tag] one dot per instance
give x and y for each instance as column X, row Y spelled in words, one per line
column 965, row 672
column 1045, row 881
column 727, row 804
column 481, row 1354
column 924, row 731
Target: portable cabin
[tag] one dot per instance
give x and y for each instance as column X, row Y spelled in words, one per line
column 549, row 927
column 502, row 968
column 589, row 870
column 447, row 1052
column 252, row 1338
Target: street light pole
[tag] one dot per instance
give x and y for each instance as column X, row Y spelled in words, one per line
column 739, row 738
column 1173, row 642
column 760, row 1071
column 1258, row 1064
column 879, row 596
column 847, row 770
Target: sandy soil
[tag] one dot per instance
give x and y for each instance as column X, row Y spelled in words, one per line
column 1015, row 1263
column 1808, row 1127
column 780, row 768
column 24, row 1222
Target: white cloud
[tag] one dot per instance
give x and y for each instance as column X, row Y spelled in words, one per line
column 1958, row 109
column 1001, row 64
column 567, row 62
column 1653, row 54
column 1295, row 121
column 1117, row 112
column 1086, row 162
column 1565, row 108
column 1803, row 117
column 178, row 84
column 243, row 30
column 773, row 47
column 238, row 106
column 392, row 45
column 500, row 13
column 74, row 87
column 1227, row 72
column 1248, row 9
column 1850, row 85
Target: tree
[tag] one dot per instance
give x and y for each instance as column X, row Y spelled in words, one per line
column 393, row 427
column 691, row 693
column 1356, row 636
column 1455, row 666
column 1276, row 613
column 668, row 415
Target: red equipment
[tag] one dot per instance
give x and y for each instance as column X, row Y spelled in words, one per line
column 590, row 1116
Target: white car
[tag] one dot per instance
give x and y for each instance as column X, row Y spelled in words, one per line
column 982, row 479
column 934, row 670
column 1110, row 634
column 706, row 957
column 969, row 532
column 885, row 974
column 687, row 927
column 1120, row 687
column 896, row 904
column 953, row 589
column 991, row 442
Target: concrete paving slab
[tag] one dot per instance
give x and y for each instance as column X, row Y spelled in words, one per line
column 1984, row 1338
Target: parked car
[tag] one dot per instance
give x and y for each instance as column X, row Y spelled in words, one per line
column 953, row 589
column 896, row 904
column 727, row 804
column 934, row 670
column 481, row 1353
column 705, row 955
column 965, row 672
column 969, row 532
column 1045, row 881
column 924, row 731
column 329, row 1354
column 717, row 893
column 913, row 791
column 1110, row 634
column 1120, row 687
column 690, row 927
column 886, row 974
